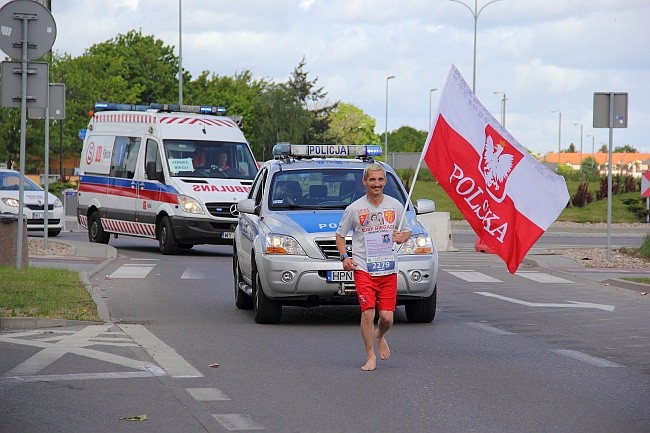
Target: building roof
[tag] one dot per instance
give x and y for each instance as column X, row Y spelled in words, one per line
column 600, row 157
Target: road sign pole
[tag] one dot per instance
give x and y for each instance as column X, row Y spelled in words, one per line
column 609, row 179
column 23, row 135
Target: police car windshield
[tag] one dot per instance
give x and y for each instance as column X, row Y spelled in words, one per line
column 216, row 159
column 322, row 189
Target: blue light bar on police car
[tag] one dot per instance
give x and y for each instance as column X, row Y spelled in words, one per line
column 325, row 150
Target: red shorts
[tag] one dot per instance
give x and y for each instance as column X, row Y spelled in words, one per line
column 379, row 291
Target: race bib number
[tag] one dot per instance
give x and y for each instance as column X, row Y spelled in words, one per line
column 379, row 250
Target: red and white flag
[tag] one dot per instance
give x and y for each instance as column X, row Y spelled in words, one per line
column 505, row 194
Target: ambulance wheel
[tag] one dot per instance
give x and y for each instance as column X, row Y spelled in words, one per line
column 265, row 311
column 166, row 238
column 96, row 233
column 242, row 300
column 422, row 311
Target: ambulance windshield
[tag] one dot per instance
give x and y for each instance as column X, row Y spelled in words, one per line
column 196, row 158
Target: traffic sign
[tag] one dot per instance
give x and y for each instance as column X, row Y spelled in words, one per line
column 645, row 184
column 41, row 29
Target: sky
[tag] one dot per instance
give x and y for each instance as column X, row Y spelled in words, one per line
column 544, row 55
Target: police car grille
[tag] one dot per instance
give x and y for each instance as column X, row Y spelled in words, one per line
column 220, row 210
column 328, row 248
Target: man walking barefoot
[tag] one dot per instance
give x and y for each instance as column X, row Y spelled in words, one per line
column 374, row 220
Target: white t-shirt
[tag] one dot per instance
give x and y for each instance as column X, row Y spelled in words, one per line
column 372, row 233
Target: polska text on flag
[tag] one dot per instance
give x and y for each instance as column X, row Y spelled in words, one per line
column 505, row 194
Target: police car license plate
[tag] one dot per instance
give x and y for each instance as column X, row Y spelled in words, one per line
column 340, row 276
column 228, row 235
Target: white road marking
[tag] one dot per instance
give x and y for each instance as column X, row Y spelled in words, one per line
column 164, row 355
column 194, row 274
column 571, row 304
column 474, row 277
column 233, row 421
column 73, row 376
column 74, row 343
column 207, row 394
column 592, row 360
column 131, row 271
column 541, row 277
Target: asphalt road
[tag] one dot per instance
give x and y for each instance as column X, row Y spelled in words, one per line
column 542, row 350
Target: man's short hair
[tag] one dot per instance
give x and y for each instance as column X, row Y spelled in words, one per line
column 375, row 166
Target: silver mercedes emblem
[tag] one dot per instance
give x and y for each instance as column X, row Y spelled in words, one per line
column 233, row 210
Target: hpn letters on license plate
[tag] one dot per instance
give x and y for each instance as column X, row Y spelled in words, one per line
column 340, row 276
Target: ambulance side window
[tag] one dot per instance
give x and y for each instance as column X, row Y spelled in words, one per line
column 125, row 156
column 152, row 162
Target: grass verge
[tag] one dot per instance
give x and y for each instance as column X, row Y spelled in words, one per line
column 45, row 293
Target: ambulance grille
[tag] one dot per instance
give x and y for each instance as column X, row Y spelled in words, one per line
column 222, row 210
column 328, row 247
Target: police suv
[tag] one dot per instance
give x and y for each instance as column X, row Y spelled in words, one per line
column 166, row 172
column 285, row 246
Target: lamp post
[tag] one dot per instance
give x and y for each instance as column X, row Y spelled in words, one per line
column 180, row 54
column 430, row 93
column 503, row 108
column 559, row 138
column 475, row 13
column 581, row 126
column 390, row 77
column 593, row 155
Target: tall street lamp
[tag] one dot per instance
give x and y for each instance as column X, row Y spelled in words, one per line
column 430, row 93
column 581, row 126
column 180, row 54
column 593, row 155
column 475, row 13
column 390, row 77
column 559, row 138
column 503, row 108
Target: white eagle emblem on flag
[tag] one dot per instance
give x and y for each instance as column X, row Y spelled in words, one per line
column 495, row 164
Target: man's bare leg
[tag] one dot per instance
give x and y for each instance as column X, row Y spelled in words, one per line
column 385, row 322
column 368, row 335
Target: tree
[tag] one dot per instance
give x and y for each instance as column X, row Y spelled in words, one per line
column 278, row 118
column 312, row 99
column 572, row 148
column 405, row 139
column 625, row 149
column 348, row 124
column 145, row 63
column 239, row 94
column 603, row 149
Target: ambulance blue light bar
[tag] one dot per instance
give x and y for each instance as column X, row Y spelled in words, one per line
column 325, row 150
column 200, row 109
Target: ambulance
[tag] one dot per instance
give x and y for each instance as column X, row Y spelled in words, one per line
column 172, row 173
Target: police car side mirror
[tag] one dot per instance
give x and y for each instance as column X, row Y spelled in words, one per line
column 248, row 206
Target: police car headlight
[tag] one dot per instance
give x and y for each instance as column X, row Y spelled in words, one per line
column 11, row 202
column 418, row 244
column 282, row 244
column 190, row 205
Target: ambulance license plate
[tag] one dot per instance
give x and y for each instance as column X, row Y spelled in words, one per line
column 228, row 235
column 340, row 276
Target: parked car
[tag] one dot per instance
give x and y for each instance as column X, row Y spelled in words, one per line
column 284, row 244
column 34, row 203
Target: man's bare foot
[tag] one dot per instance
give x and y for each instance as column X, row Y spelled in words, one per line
column 370, row 365
column 384, row 350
